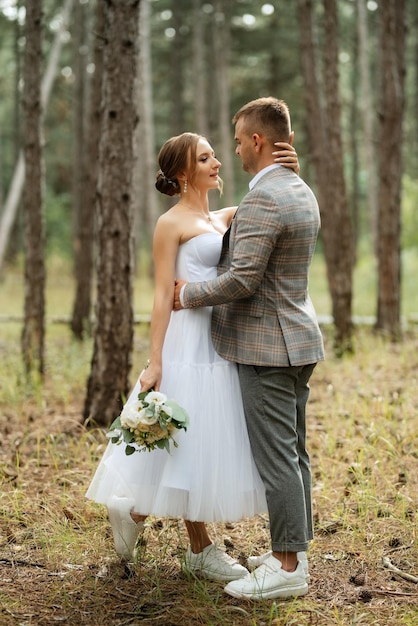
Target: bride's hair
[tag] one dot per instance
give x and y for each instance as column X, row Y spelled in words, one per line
column 176, row 158
column 173, row 159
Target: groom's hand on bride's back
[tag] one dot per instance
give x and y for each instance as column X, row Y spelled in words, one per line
column 178, row 284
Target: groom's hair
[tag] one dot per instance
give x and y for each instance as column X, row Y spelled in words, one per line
column 266, row 116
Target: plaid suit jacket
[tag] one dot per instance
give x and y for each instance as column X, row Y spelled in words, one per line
column 264, row 315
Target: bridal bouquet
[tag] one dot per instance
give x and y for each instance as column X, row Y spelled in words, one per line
column 148, row 423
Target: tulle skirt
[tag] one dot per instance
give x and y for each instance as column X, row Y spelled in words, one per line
column 211, row 475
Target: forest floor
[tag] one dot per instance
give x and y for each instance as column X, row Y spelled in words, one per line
column 57, row 563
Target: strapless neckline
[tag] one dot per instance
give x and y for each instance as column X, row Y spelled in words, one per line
column 216, row 234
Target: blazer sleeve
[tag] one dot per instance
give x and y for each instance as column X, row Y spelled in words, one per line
column 254, row 233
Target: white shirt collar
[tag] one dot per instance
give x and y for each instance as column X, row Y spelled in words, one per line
column 261, row 173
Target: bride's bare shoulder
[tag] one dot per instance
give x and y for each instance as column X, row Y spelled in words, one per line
column 226, row 214
column 168, row 224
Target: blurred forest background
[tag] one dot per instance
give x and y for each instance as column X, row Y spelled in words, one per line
column 90, row 91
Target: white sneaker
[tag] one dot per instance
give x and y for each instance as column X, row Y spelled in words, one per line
column 125, row 530
column 214, row 563
column 255, row 561
column 269, row 580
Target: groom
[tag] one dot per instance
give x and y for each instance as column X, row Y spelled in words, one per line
column 266, row 323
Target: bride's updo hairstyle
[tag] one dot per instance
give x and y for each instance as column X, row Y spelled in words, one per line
column 175, row 158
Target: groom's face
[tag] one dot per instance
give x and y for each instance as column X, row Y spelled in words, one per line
column 245, row 147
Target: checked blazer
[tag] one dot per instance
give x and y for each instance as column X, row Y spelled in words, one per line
column 263, row 313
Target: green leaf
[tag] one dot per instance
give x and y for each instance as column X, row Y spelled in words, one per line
column 128, row 437
column 179, row 414
column 129, row 450
column 116, row 424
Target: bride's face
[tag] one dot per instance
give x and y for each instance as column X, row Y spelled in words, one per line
column 206, row 175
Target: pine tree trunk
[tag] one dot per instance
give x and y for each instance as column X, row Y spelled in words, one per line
column 14, row 243
column 367, row 111
column 354, row 147
column 199, row 71
column 177, row 72
column 1, row 178
column 111, row 364
column 34, row 314
column 83, row 215
column 336, row 216
column 392, row 69
column 414, row 141
column 221, row 58
column 16, row 186
column 85, row 243
column 145, row 196
column 314, row 110
column 326, row 154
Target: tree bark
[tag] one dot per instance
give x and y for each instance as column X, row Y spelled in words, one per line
column 33, row 333
column 327, row 157
column 14, row 242
column 199, row 71
column 85, row 241
column 336, row 216
column 111, row 363
column 221, row 57
column 15, row 191
column 145, row 196
column 367, row 112
column 82, row 211
column 354, row 145
column 392, row 102
column 314, row 110
column 177, row 72
column 1, row 178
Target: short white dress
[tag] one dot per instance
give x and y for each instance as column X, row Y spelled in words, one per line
column 211, row 475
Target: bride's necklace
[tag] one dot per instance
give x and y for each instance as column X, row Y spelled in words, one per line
column 203, row 213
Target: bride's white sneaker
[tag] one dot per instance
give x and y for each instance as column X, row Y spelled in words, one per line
column 256, row 561
column 125, row 530
column 213, row 562
column 269, row 580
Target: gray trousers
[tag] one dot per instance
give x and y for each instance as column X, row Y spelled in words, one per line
column 275, row 401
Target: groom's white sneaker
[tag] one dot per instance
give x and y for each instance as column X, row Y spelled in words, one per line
column 256, row 561
column 125, row 530
column 268, row 581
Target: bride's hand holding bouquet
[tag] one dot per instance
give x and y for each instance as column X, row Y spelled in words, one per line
column 151, row 375
column 148, row 422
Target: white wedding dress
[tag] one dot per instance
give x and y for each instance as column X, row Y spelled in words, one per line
column 211, row 476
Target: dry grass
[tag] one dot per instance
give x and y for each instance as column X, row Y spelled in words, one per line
column 57, row 563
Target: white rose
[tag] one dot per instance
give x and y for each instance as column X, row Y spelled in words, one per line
column 155, row 397
column 129, row 417
column 146, row 417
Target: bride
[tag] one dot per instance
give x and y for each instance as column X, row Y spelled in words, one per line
column 211, row 475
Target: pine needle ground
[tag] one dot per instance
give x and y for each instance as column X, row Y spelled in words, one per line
column 57, row 563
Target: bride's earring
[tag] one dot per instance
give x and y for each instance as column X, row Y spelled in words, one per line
column 185, row 186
